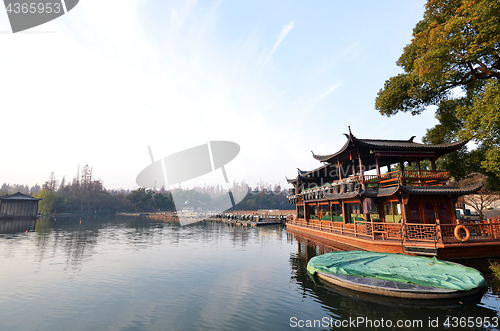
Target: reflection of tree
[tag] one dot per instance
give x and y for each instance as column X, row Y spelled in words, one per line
column 43, row 230
column 238, row 234
column 75, row 237
column 80, row 242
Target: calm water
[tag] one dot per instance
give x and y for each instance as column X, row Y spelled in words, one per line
column 128, row 273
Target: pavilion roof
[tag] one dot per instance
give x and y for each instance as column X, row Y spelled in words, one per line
column 17, row 196
column 388, row 152
column 389, row 148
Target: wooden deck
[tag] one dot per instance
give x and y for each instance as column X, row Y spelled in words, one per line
column 244, row 223
column 414, row 239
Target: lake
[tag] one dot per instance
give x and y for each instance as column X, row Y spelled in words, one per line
column 132, row 273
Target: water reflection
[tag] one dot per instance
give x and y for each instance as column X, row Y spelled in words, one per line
column 126, row 273
column 343, row 304
column 11, row 227
column 77, row 237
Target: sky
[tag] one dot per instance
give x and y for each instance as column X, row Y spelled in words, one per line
column 100, row 84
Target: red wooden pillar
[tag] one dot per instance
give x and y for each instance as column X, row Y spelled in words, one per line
column 361, row 172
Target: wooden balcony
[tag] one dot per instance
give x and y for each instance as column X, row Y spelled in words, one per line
column 389, row 179
column 407, row 177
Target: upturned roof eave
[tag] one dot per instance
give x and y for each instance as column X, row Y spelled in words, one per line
column 403, row 145
column 326, row 158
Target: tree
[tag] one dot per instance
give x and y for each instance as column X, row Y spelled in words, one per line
column 141, row 199
column 163, row 201
column 483, row 198
column 453, row 62
column 51, row 184
column 5, row 189
column 48, row 202
column 35, row 189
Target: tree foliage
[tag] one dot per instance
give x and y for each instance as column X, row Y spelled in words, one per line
column 453, row 62
column 49, row 201
column 87, row 195
column 141, row 198
column 265, row 199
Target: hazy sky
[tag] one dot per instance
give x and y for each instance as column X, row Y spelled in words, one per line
column 280, row 78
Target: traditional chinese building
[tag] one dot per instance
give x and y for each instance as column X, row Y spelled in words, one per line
column 358, row 200
column 18, row 206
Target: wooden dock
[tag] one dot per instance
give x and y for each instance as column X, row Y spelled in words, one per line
column 249, row 220
column 242, row 223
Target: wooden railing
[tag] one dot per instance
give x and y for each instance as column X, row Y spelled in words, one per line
column 407, row 177
column 420, row 232
column 380, row 181
column 415, row 177
column 358, row 228
column 411, row 232
column 483, row 231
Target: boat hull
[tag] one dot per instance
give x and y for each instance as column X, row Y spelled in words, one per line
column 395, row 289
column 448, row 251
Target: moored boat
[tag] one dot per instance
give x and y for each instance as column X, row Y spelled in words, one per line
column 409, row 208
column 398, row 275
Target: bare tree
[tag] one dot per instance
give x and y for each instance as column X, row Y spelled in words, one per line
column 483, row 198
column 51, row 184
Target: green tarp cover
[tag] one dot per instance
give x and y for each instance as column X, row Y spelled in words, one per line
column 400, row 268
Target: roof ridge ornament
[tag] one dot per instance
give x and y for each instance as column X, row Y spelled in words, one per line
column 301, row 172
column 411, row 139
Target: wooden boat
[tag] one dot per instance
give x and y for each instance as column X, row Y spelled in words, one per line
column 398, row 275
column 410, row 210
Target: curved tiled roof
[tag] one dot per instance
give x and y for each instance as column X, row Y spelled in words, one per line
column 323, row 158
column 383, row 192
column 442, row 189
column 346, row 195
column 409, row 144
column 301, row 174
column 400, row 145
column 305, row 179
column 17, row 196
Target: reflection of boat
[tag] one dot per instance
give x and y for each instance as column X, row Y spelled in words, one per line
column 397, row 275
